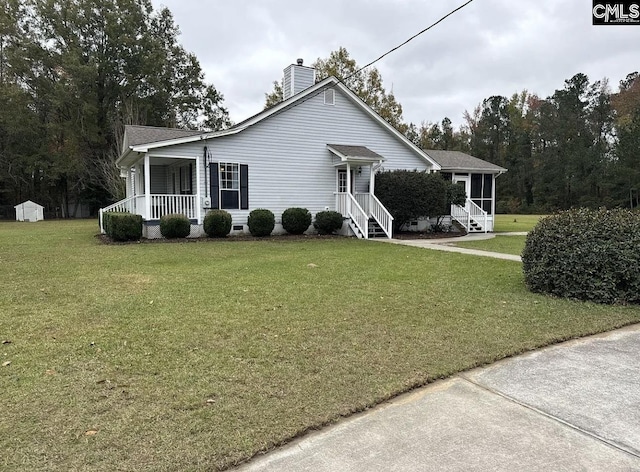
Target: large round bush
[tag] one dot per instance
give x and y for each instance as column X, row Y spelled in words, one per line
column 328, row 222
column 261, row 222
column 175, row 226
column 217, row 223
column 296, row 220
column 585, row 254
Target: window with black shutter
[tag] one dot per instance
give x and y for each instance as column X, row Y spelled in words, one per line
column 229, row 186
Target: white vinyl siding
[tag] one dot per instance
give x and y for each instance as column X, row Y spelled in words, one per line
column 288, row 158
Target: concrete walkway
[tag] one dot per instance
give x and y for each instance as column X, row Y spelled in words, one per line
column 447, row 244
column 570, row 407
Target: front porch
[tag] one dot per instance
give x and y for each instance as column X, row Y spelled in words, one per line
column 160, row 186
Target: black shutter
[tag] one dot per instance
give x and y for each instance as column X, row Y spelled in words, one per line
column 214, row 185
column 244, row 187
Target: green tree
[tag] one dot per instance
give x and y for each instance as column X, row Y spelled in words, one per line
column 81, row 70
column 625, row 185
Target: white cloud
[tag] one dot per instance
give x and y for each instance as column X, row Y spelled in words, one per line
column 491, row 47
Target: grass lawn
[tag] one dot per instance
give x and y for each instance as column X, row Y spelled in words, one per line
column 503, row 244
column 509, row 223
column 194, row 356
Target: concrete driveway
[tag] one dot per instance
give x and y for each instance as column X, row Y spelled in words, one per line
column 570, row 407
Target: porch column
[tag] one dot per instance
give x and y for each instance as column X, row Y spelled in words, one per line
column 128, row 187
column 348, row 199
column 198, row 201
column 493, row 200
column 147, row 187
column 372, row 185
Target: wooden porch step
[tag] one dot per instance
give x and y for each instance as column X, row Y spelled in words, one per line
column 375, row 230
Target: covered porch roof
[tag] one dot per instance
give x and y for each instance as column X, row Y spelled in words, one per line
column 459, row 161
column 355, row 154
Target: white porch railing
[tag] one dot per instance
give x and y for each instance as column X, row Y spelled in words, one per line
column 468, row 214
column 127, row 205
column 348, row 206
column 159, row 205
column 376, row 210
column 169, row 204
column 461, row 215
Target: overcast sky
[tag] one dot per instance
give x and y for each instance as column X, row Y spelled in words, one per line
column 490, row 47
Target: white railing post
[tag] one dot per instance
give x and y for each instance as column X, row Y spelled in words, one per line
column 147, row 187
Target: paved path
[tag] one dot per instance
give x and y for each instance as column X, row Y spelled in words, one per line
column 570, row 407
column 446, row 244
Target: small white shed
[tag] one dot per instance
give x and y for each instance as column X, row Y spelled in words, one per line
column 29, row 211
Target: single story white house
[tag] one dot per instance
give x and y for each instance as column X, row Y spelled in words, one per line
column 29, row 211
column 320, row 149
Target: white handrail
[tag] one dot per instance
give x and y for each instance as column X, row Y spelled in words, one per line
column 381, row 215
column 373, row 208
column 358, row 216
column 127, row 205
column 476, row 213
column 460, row 214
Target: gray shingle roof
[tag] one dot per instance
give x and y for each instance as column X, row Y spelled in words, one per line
column 456, row 160
column 356, row 151
column 150, row 134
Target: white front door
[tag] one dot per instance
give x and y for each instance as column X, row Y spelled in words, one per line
column 342, row 181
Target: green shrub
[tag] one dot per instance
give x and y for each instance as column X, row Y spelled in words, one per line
column 123, row 226
column 328, row 222
column 585, row 254
column 217, row 223
column 296, row 220
column 261, row 222
column 174, row 226
column 106, row 221
column 411, row 194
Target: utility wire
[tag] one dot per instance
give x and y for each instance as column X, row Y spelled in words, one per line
column 410, row 39
column 344, row 79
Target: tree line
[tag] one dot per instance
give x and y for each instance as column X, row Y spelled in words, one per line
column 578, row 147
column 73, row 73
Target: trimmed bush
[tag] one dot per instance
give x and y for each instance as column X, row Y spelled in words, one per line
column 585, row 254
column 174, row 226
column 217, row 223
column 122, row 226
column 261, row 222
column 328, row 222
column 296, row 220
column 412, row 194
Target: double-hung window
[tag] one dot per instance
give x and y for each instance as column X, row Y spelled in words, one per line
column 229, row 185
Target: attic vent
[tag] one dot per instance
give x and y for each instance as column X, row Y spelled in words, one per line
column 330, row 97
